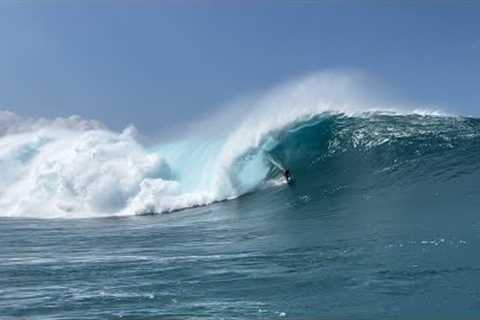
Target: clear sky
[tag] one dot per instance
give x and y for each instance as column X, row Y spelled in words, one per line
column 158, row 63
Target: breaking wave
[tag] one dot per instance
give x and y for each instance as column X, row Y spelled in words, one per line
column 329, row 139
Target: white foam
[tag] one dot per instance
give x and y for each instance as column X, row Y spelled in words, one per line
column 60, row 172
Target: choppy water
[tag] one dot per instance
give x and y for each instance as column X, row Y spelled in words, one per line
column 231, row 260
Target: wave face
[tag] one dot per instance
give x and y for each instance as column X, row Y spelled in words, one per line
column 377, row 153
column 73, row 168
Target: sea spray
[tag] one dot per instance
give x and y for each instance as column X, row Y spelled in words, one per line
column 72, row 167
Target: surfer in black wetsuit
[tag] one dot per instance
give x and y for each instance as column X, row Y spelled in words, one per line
column 288, row 176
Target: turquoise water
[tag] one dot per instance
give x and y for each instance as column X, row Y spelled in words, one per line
column 382, row 222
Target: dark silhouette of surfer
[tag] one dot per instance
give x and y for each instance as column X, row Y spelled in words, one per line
column 288, row 176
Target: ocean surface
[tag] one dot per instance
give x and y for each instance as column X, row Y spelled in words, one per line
column 382, row 222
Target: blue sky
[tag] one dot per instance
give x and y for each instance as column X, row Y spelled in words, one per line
column 158, row 63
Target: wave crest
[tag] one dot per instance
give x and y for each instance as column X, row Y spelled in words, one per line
column 72, row 167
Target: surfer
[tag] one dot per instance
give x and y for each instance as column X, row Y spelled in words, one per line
column 288, row 176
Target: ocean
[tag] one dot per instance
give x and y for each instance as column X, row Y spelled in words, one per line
column 382, row 221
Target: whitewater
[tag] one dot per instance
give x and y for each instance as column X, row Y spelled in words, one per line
column 72, row 167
